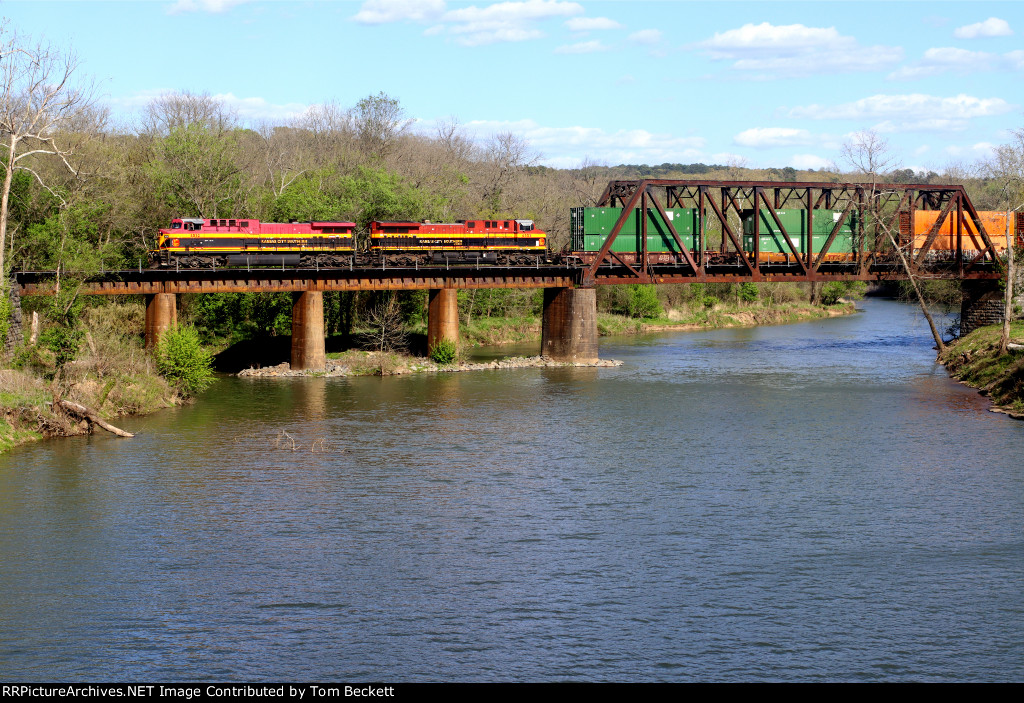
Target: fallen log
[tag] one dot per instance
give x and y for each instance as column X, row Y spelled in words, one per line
column 94, row 418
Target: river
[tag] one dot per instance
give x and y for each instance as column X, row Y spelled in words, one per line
column 807, row 502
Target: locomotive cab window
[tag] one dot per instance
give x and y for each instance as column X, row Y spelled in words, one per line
column 175, row 225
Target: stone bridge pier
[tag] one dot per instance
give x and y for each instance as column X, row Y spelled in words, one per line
column 442, row 316
column 161, row 315
column 982, row 305
column 309, row 341
column 569, row 327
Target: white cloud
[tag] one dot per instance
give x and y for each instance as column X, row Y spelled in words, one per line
column 923, row 149
column 214, row 6
column 586, row 47
column 474, row 36
column 471, row 26
column 1016, row 59
column 761, row 137
column 769, row 38
column 808, row 161
column 586, row 24
column 645, row 36
column 728, row 158
column 249, row 110
column 383, row 11
column 932, row 124
column 256, row 109
column 504, row 12
column 795, row 49
column 565, row 147
column 941, row 60
column 981, row 149
column 992, row 27
column 906, row 113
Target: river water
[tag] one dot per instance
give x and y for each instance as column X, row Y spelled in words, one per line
column 802, row 502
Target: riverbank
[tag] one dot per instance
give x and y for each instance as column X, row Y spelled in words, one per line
column 496, row 331
column 975, row 361
column 31, row 408
column 366, row 363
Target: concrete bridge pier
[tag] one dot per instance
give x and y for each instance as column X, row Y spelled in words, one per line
column 569, row 328
column 442, row 316
column 982, row 305
column 161, row 315
column 309, row 344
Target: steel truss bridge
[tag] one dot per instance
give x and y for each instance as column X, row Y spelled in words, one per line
column 880, row 208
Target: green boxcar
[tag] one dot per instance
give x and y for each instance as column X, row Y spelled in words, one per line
column 590, row 227
column 795, row 223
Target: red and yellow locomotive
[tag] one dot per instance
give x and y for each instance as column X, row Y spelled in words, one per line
column 208, row 243
column 212, row 243
column 502, row 242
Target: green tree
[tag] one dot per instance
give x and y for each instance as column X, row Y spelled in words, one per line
column 184, row 361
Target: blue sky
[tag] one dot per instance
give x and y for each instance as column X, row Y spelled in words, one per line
column 759, row 83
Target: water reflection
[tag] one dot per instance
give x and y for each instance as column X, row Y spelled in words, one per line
column 800, row 502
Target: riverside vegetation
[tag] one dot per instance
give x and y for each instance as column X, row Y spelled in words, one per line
column 975, row 360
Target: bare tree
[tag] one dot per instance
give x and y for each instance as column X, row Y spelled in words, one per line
column 507, row 156
column 587, row 182
column 187, row 110
column 454, row 140
column 1007, row 168
column 37, row 98
column 387, row 329
column 378, row 121
column 870, row 156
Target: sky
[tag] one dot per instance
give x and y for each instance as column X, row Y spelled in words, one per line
column 751, row 83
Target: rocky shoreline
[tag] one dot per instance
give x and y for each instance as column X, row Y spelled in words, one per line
column 386, row 366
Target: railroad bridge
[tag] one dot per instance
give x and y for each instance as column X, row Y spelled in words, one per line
column 955, row 246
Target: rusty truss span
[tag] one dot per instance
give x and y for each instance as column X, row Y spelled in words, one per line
column 710, row 230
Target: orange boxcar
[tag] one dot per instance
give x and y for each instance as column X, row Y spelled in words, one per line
column 993, row 222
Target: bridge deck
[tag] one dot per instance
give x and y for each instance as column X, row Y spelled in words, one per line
column 152, row 281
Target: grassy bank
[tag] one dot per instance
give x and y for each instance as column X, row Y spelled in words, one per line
column 720, row 316
column 494, row 331
column 975, row 361
column 97, row 365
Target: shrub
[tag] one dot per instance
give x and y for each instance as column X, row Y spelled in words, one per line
column 444, row 352
column 709, row 301
column 184, row 361
column 643, row 301
column 748, row 292
column 832, row 291
column 63, row 342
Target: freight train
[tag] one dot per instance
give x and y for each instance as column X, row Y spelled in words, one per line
column 212, row 243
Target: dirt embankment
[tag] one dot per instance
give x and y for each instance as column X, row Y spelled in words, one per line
column 975, row 361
